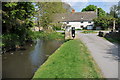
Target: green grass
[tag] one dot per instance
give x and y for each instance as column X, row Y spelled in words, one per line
column 114, row 40
column 71, row 60
column 48, row 36
column 88, row 31
column 78, row 29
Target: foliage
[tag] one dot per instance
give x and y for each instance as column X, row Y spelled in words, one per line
column 103, row 22
column 47, row 36
column 17, row 17
column 71, row 60
column 67, row 7
column 118, row 22
column 56, row 26
column 115, row 40
column 114, row 11
column 89, row 31
column 10, row 40
column 100, row 13
column 90, row 8
column 46, row 11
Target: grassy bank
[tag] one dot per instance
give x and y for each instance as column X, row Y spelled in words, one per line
column 88, row 31
column 114, row 40
column 113, row 37
column 71, row 60
column 48, row 36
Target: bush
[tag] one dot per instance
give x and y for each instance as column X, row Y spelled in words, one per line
column 10, row 40
column 56, row 26
column 47, row 36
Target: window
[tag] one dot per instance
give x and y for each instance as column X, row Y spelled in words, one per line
column 89, row 21
column 67, row 22
column 81, row 21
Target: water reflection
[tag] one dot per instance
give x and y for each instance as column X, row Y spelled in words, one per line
column 37, row 56
column 23, row 64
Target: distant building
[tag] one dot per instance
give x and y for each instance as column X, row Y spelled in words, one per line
column 79, row 20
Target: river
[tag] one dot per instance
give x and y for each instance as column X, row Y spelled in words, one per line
column 24, row 63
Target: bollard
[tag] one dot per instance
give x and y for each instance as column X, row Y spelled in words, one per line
column 73, row 32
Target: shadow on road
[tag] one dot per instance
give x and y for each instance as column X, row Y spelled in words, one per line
column 114, row 52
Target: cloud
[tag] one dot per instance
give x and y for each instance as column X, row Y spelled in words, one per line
column 104, row 0
column 82, row 3
column 76, row 2
column 90, row 0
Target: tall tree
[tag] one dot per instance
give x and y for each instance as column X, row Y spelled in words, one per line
column 16, row 14
column 100, row 11
column 114, row 11
column 67, row 7
column 104, row 22
column 46, row 10
column 90, row 8
column 16, row 20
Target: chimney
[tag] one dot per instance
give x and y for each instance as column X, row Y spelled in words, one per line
column 73, row 11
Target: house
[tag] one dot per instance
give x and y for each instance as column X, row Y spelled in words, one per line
column 79, row 20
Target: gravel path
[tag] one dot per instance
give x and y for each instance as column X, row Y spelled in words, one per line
column 104, row 53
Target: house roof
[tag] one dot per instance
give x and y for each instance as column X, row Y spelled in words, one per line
column 77, row 16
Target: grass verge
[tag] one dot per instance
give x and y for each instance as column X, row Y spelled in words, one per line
column 88, row 31
column 48, row 36
column 113, row 40
column 71, row 60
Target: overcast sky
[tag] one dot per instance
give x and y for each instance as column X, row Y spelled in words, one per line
column 78, row 5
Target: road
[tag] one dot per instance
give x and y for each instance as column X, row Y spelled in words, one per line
column 104, row 53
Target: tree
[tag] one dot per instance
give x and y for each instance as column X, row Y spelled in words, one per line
column 46, row 11
column 114, row 11
column 16, row 14
column 104, row 22
column 16, row 20
column 67, row 7
column 90, row 8
column 100, row 11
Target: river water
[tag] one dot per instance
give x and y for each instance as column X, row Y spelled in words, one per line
column 24, row 63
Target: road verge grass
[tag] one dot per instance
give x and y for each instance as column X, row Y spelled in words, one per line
column 88, row 31
column 113, row 40
column 71, row 60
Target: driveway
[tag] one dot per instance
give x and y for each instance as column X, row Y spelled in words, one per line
column 104, row 53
